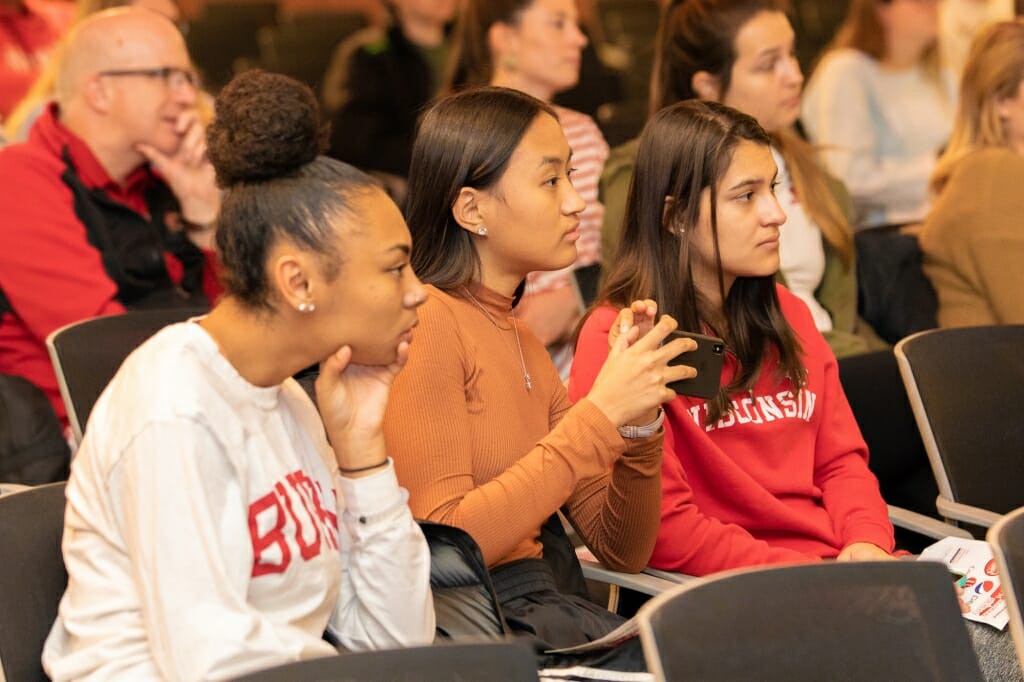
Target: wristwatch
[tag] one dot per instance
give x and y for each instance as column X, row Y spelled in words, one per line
column 634, row 431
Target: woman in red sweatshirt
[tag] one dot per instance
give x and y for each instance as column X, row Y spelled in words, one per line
column 773, row 468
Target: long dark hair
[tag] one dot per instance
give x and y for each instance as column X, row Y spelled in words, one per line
column 700, row 35
column 471, row 63
column 685, row 149
column 465, row 140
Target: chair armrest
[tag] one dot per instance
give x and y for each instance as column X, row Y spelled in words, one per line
column 670, row 576
column 925, row 525
column 966, row 513
column 640, row 582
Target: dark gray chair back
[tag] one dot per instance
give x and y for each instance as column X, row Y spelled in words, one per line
column 853, row 621
column 33, row 450
column 966, row 387
column 86, row 355
column 491, row 661
column 1007, row 540
column 32, row 577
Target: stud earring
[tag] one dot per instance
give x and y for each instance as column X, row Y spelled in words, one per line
column 306, row 307
column 482, row 231
column 509, row 62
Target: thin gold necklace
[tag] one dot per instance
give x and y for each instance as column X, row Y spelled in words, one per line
column 515, row 328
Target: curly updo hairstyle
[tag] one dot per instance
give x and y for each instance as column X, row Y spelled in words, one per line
column 265, row 145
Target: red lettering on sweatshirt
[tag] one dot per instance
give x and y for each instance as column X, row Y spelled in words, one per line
column 263, row 561
column 299, row 524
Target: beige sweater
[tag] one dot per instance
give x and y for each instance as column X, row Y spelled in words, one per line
column 479, row 451
column 973, row 241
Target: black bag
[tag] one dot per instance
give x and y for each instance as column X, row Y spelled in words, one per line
column 893, row 294
column 32, row 446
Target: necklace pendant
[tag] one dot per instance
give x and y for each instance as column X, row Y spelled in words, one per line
column 515, row 330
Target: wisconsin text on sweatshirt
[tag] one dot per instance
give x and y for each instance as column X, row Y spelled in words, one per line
column 760, row 409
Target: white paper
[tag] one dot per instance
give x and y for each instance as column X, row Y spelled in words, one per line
column 983, row 590
column 583, row 673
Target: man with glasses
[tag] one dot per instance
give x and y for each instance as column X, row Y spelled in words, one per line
column 110, row 204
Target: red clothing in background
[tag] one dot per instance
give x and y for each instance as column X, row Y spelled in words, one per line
column 28, row 35
column 50, row 272
column 780, row 479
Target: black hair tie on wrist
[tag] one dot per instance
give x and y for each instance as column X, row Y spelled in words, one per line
column 362, row 469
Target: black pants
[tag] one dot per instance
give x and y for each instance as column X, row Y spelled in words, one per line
column 32, row 446
column 534, row 608
column 893, row 293
column 896, row 454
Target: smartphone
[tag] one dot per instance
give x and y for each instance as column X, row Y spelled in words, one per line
column 706, row 359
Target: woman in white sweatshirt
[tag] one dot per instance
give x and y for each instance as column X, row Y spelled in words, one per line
column 881, row 107
column 216, row 523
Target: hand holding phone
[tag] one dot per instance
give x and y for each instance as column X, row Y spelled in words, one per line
column 631, row 384
column 707, row 360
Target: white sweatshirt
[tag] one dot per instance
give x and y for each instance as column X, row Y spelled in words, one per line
column 879, row 131
column 801, row 249
column 208, row 534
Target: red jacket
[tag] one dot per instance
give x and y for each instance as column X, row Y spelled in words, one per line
column 28, row 34
column 777, row 480
column 50, row 273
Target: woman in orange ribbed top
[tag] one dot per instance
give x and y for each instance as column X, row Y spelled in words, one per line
column 479, row 425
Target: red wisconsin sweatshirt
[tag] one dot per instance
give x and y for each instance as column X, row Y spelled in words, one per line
column 781, row 478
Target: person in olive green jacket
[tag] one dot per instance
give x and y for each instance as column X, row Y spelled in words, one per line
column 741, row 53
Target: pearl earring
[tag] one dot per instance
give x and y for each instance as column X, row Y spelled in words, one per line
column 306, row 307
column 482, row 231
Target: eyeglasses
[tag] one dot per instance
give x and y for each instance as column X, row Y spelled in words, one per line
column 172, row 76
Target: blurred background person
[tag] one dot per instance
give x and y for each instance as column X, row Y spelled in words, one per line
column 29, row 30
column 741, row 53
column 881, row 107
column 43, row 90
column 111, row 202
column 959, row 23
column 379, row 81
column 973, row 239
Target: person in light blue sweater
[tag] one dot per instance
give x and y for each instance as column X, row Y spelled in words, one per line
column 881, row 107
